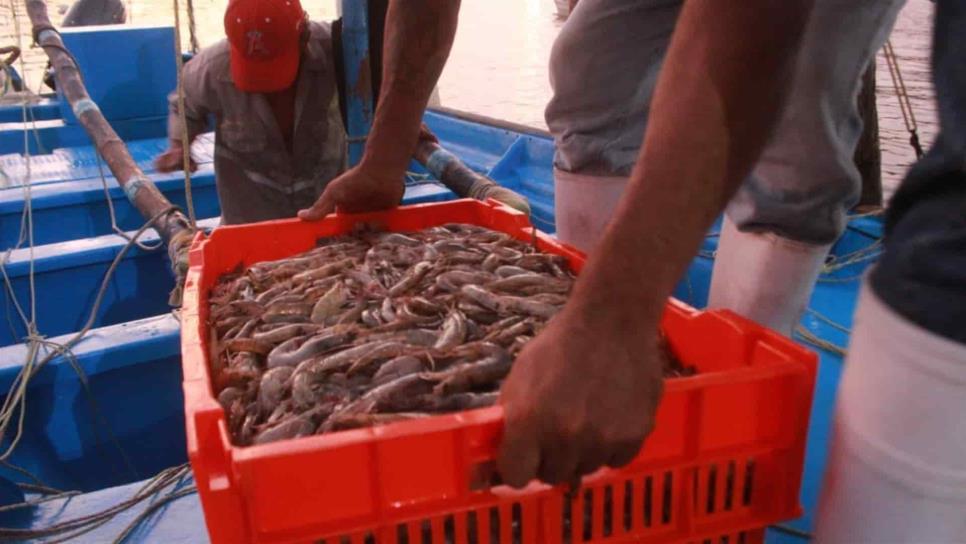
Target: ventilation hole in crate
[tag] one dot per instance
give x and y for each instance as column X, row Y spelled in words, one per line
column 369, row 539
column 472, row 529
column 566, row 520
column 667, row 499
column 712, row 488
column 402, row 534
column 449, row 530
column 648, row 501
column 628, row 504
column 517, row 515
column 695, row 484
column 725, row 539
column 588, row 514
column 494, row 525
column 741, row 538
column 426, row 532
column 729, row 486
column 608, row 528
column 345, row 540
column 749, row 483
column 706, row 541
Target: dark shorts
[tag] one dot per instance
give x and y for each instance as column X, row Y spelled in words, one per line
column 922, row 273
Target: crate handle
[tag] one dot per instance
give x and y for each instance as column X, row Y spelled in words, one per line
column 484, row 475
column 482, row 431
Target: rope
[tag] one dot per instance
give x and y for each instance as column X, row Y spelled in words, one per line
column 13, row 53
column 97, row 415
column 41, row 351
column 16, row 402
column 191, row 27
column 867, row 253
column 73, row 528
column 29, row 475
column 791, row 531
column 7, row 66
column 905, row 104
column 42, row 489
column 828, row 321
column 14, row 405
column 185, row 142
column 150, row 510
column 110, row 208
column 809, row 338
column 8, row 77
column 16, row 398
column 26, row 235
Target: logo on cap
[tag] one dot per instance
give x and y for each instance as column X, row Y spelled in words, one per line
column 256, row 45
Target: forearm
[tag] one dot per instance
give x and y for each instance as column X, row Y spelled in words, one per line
column 419, row 36
column 719, row 95
column 176, row 131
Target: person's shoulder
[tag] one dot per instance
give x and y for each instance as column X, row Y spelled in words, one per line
column 320, row 31
column 212, row 60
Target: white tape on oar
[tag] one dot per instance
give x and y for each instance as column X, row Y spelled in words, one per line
column 84, row 105
column 133, row 185
column 438, row 160
column 47, row 33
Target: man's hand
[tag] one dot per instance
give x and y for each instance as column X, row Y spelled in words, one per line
column 583, row 393
column 578, row 398
column 427, row 135
column 173, row 159
column 361, row 189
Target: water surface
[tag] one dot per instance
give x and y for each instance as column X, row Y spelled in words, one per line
column 498, row 66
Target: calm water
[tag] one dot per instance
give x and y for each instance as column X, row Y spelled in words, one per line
column 499, row 62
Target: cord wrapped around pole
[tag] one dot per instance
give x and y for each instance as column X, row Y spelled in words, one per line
column 459, row 178
column 139, row 189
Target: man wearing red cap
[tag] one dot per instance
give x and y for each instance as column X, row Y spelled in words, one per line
column 271, row 87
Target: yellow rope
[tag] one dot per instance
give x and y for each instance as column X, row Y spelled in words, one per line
column 193, row 38
column 18, row 389
column 185, row 142
column 905, row 103
column 809, row 338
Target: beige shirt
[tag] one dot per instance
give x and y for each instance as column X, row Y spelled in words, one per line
column 257, row 177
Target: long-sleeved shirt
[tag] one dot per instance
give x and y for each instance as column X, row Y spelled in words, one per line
column 257, row 176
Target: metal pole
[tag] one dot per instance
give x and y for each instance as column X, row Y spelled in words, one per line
column 868, row 156
column 355, row 53
column 171, row 224
column 463, row 181
column 140, row 190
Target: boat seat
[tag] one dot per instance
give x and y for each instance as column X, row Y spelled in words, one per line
column 79, row 163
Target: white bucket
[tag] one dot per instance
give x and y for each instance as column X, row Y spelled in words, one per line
column 897, row 462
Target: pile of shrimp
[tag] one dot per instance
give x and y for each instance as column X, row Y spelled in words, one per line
column 376, row 327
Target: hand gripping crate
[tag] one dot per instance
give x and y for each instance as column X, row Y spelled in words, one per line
column 724, row 461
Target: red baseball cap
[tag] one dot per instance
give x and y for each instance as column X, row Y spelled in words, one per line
column 264, row 37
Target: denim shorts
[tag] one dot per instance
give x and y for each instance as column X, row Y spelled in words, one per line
column 604, row 66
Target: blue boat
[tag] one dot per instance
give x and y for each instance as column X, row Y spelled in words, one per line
column 106, row 418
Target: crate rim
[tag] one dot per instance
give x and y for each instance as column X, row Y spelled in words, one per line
column 492, row 415
column 202, row 408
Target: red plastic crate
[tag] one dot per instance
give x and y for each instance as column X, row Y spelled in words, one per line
column 724, row 461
